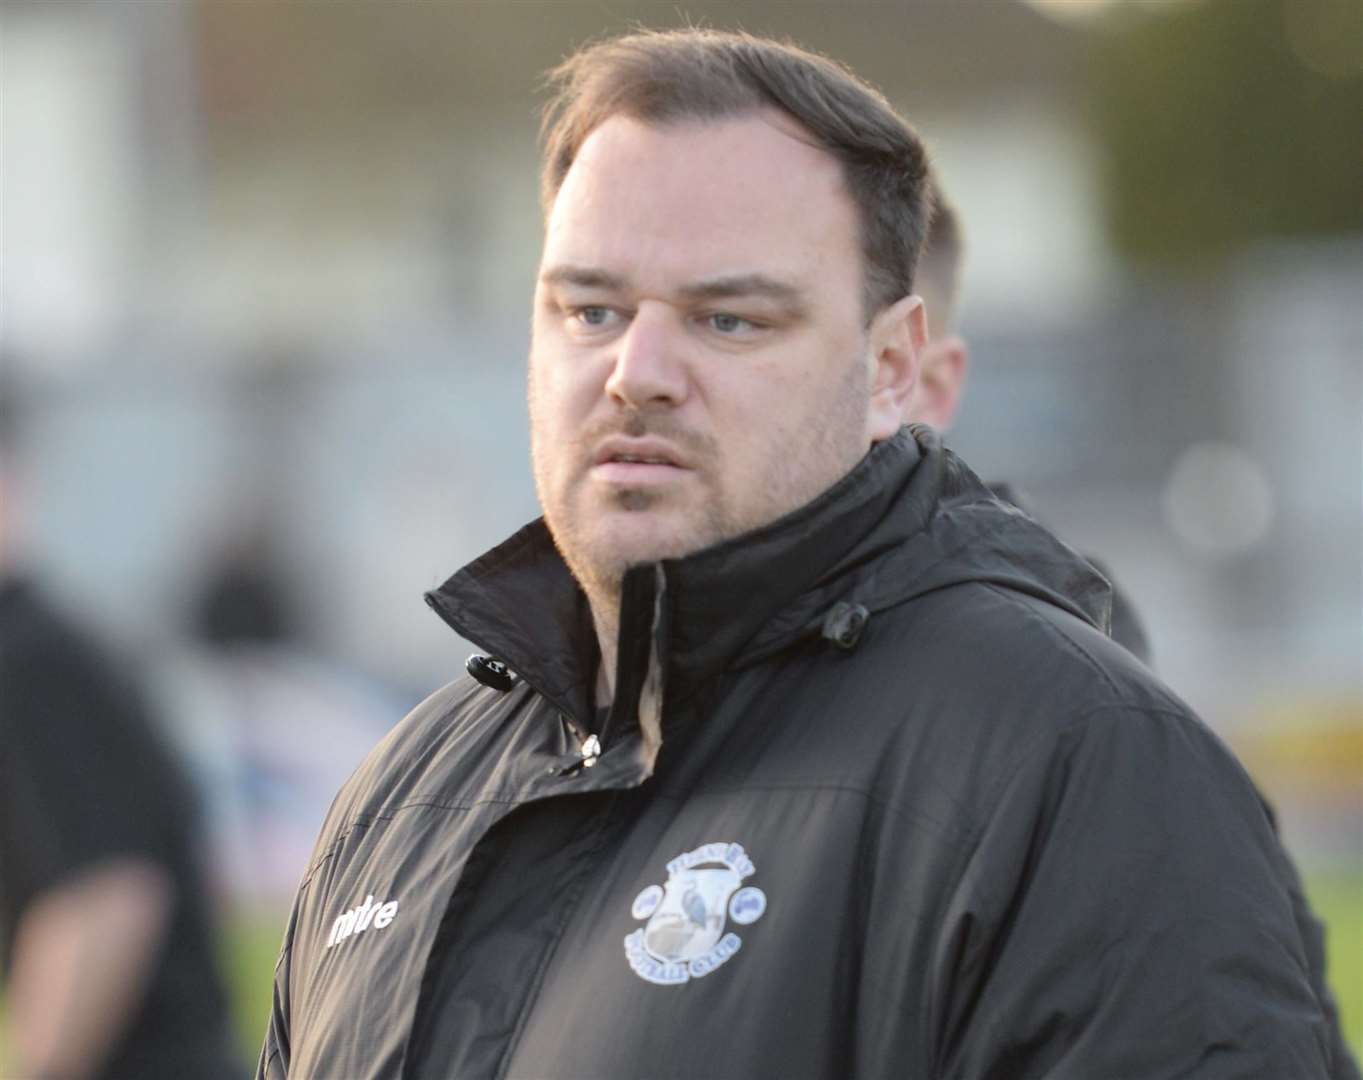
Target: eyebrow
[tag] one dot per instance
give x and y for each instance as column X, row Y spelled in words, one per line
column 584, row 277
column 717, row 288
column 769, row 288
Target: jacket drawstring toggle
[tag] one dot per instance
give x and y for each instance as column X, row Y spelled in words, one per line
column 490, row 672
column 844, row 623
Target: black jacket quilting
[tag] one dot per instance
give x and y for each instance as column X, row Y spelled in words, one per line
column 982, row 842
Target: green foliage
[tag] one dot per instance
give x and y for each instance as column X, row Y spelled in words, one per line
column 249, row 949
column 1223, row 122
column 1337, row 899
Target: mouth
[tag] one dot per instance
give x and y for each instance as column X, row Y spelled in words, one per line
column 627, row 451
column 637, row 461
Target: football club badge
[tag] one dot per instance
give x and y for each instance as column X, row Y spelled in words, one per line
column 685, row 936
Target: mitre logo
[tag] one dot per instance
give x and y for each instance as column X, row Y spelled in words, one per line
column 361, row 918
column 685, row 938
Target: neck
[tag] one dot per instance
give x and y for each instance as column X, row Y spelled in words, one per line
column 606, row 618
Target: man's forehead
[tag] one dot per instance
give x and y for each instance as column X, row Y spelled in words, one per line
column 663, row 138
column 700, row 200
column 748, row 163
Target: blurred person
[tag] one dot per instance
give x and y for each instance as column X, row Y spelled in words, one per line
column 268, row 725
column 935, row 400
column 104, row 928
column 794, row 752
column 241, row 600
column 941, row 382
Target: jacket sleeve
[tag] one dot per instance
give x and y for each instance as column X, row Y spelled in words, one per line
column 1124, row 913
column 274, row 1054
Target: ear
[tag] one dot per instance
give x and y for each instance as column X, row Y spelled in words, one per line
column 940, row 383
column 896, row 338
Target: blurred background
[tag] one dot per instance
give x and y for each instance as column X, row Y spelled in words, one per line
column 265, row 293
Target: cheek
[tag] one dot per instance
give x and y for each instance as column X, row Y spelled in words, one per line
column 549, row 390
column 758, row 405
column 561, row 400
column 753, row 432
column 797, row 412
column 546, row 424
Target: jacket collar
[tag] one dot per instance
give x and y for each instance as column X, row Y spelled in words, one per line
column 520, row 603
column 910, row 518
column 747, row 590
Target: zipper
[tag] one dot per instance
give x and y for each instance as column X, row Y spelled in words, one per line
column 588, row 749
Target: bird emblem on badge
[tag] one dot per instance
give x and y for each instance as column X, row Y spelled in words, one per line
column 685, row 937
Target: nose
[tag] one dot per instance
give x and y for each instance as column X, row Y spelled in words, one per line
column 649, row 369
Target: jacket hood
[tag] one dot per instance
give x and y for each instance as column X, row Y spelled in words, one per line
column 909, row 519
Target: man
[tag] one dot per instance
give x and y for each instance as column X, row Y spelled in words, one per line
column 941, row 381
column 800, row 754
column 110, row 969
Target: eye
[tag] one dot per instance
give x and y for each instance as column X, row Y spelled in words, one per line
column 728, row 323
column 594, row 315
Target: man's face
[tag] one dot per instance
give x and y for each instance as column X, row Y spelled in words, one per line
column 699, row 363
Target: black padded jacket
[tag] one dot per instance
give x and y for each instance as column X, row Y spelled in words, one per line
column 876, row 797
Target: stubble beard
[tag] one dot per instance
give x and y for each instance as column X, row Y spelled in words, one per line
column 599, row 562
column 832, row 441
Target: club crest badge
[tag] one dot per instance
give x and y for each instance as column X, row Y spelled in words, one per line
column 685, row 936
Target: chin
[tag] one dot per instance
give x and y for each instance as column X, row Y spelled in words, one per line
column 646, row 546
column 600, row 541
column 624, row 541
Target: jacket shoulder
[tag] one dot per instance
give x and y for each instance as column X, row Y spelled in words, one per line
column 1011, row 653
column 983, row 681
column 423, row 758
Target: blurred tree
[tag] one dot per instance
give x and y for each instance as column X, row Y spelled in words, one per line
column 1226, row 121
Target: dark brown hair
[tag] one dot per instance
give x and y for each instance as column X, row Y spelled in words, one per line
column 662, row 77
column 939, row 267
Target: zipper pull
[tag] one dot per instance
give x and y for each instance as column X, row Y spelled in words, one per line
column 589, row 746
